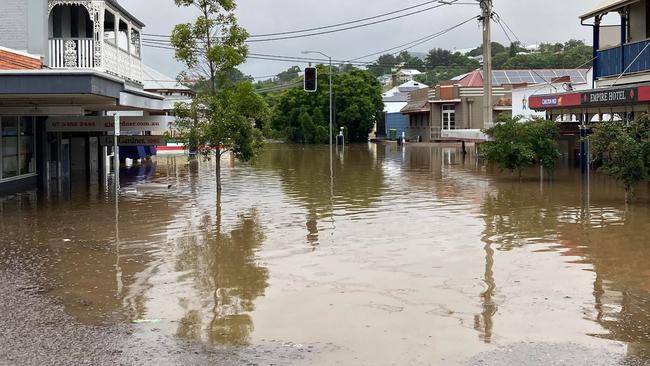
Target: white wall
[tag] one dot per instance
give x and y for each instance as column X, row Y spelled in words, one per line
column 23, row 25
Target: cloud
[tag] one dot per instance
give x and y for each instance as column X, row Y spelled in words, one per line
column 533, row 21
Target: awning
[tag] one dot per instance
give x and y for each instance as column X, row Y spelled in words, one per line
column 607, row 6
column 421, row 106
column 594, row 98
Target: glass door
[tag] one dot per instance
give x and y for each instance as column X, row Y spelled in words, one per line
column 448, row 117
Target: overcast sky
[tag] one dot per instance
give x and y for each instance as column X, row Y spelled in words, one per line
column 533, row 21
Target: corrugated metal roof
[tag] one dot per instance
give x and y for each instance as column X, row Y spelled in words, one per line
column 606, row 6
column 155, row 80
column 417, row 107
column 394, row 107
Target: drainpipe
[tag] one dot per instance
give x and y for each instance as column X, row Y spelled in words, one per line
column 596, row 43
column 624, row 24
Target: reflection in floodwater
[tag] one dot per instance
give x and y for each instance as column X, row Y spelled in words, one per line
column 305, row 175
column 411, row 247
column 224, row 270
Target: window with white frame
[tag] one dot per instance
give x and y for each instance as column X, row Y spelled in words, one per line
column 448, row 117
column 17, row 147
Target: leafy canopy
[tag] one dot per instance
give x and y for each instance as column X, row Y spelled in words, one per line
column 302, row 117
column 517, row 145
column 224, row 113
column 622, row 151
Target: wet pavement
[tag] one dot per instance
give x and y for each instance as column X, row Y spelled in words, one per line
column 408, row 256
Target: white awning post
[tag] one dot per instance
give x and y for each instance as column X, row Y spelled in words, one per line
column 116, row 152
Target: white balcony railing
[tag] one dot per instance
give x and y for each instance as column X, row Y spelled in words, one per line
column 72, row 53
column 76, row 53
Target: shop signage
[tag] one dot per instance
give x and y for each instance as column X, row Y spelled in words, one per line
column 541, row 102
column 134, row 141
column 611, row 96
column 107, row 124
column 550, row 101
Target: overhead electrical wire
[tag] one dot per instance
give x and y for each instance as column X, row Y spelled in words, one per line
column 296, row 34
column 417, row 42
column 167, row 45
column 347, row 23
column 293, row 59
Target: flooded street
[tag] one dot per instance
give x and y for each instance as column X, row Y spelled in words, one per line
column 413, row 256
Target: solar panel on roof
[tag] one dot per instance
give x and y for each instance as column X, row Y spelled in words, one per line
column 527, row 76
column 538, row 79
column 548, row 74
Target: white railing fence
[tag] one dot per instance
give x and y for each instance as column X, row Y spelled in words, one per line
column 79, row 53
column 72, row 53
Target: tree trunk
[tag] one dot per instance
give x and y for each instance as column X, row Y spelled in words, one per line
column 218, row 161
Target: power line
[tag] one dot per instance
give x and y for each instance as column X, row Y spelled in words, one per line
column 347, row 23
column 441, row 3
column 278, row 88
column 293, row 59
column 417, row 42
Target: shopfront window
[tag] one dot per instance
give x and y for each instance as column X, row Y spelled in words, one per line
column 17, row 141
column 448, row 117
column 26, row 157
column 9, row 128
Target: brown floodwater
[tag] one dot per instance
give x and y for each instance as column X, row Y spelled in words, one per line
column 406, row 256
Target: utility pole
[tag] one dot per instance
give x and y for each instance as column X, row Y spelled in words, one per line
column 486, row 18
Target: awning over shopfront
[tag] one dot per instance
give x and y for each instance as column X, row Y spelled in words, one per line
column 610, row 97
column 34, row 92
column 421, row 106
column 607, row 6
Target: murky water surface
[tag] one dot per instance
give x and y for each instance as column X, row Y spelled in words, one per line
column 413, row 256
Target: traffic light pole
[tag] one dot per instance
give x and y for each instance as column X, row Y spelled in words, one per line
column 331, row 137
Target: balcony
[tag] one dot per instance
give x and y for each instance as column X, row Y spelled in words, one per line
column 629, row 58
column 79, row 53
column 96, row 36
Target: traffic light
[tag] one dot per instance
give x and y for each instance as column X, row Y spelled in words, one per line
column 311, row 76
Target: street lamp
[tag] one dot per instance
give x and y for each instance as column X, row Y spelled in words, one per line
column 331, row 107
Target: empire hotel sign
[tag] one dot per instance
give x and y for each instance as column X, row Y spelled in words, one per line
column 591, row 98
column 615, row 96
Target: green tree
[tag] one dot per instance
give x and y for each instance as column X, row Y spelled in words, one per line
column 290, row 74
column 358, row 106
column 496, row 49
column 622, row 151
column 211, row 47
column 517, row 145
column 438, row 57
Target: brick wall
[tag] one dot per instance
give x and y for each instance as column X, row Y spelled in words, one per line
column 13, row 24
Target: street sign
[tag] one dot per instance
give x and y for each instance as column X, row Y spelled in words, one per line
column 134, row 141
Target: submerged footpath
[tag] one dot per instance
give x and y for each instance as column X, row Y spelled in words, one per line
column 36, row 330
